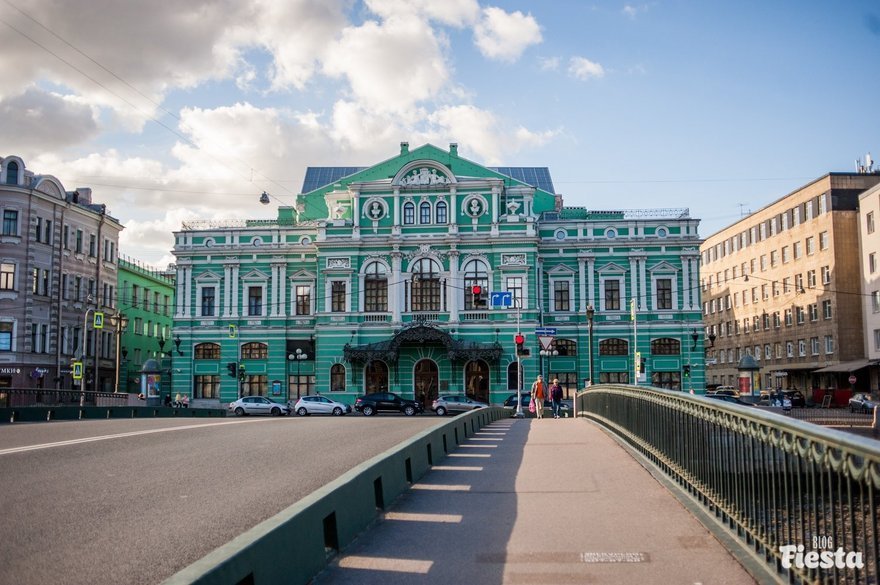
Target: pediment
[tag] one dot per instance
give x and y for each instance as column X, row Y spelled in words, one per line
column 255, row 275
column 560, row 270
column 303, row 275
column 612, row 268
column 424, row 173
column 208, row 277
column 663, row 267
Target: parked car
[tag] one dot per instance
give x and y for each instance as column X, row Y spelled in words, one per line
column 257, row 405
column 370, row 404
column 862, row 403
column 724, row 391
column 728, row 398
column 455, row 404
column 796, row 398
column 320, row 405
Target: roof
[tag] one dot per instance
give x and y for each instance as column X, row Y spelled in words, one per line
column 317, row 177
column 847, row 366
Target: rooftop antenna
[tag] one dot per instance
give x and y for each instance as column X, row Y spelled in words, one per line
column 741, row 208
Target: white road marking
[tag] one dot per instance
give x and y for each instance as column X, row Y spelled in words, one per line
column 116, row 436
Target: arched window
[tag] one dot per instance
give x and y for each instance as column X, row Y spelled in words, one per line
column 614, row 346
column 424, row 212
column 425, row 285
column 12, row 173
column 207, row 351
column 409, row 213
column 476, row 380
column 426, row 376
column 513, row 376
column 564, row 346
column 337, row 378
column 440, row 212
column 254, row 351
column 376, row 377
column 665, row 346
column 375, row 288
column 475, row 274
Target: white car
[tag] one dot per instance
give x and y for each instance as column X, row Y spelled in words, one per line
column 320, row 405
column 257, row 405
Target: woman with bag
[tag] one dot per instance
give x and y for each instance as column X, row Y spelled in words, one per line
column 556, row 397
column 538, row 395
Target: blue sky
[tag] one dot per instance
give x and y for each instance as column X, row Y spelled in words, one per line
column 173, row 111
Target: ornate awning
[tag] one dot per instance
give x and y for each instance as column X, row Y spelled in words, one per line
column 420, row 334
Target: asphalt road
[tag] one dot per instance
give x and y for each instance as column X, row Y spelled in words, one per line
column 140, row 505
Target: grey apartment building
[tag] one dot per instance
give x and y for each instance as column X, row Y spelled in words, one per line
column 58, row 255
column 783, row 285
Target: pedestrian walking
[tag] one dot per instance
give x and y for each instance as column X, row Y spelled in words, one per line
column 539, row 393
column 556, row 397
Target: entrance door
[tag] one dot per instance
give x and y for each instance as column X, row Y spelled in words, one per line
column 476, row 380
column 425, row 379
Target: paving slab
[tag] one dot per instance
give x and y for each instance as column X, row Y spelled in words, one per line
column 552, row 501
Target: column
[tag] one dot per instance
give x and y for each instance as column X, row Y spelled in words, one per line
column 455, row 285
column 227, row 290
column 591, row 285
column 685, row 283
column 187, row 294
column 582, row 284
column 181, row 275
column 235, row 309
column 278, row 291
column 395, row 292
column 643, row 298
column 633, row 281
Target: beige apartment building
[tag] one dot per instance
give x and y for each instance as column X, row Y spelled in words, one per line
column 869, row 238
column 783, row 285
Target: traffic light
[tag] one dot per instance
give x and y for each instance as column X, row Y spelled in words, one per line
column 477, row 291
column 241, row 374
column 687, row 370
column 232, row 367
column 520, row 340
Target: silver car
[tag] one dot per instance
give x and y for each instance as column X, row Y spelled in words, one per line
column 455, row 404
column 257, row 405
column 320, row 405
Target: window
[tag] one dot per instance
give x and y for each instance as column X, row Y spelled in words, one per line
column 65, row 237
column 12, row 173
column 664, row 293
column 668, row 380
column 613, row 346
column 826, row 275
column 134, row 295
column 814, row 311
column 774, row 258
column 375, row 288
column 208, row 301
column 799, row 311
column 10, row 222
column 763, row 262
column 665, row 346
column 765, row 321
column 79, row 242
column 424, row 212
column 764, row 294
column 799, row 283
column 612, row 295
column 7, row 276
column 255, row 385
column 777, row 322
column 797, row 250
column 826, row 309
column 811, row 246
column 614, row 377
column 872, row 263
column 207, row 351
column 561, row 295
column 829, row 344
column 875, row 301
column 5, row 336
column 93, row 245
column 38, row 229
column 409, row 213
column 789, row 349
column 476, row 274
column 811, row 278
column 814, row 346
column 206, row 386
column 255, row 301
column 425, row 286
column 876, row 338
column 777, row 350
column 337, row 378
column 254, row 350
column 515, row 286
column 440, row 212
column 303, row 299
column 802, row 347
column 565, row 347
column 869, row 221
column 785, row 255
column 768, row 352
column 337, row 296
column 823, row 240
column 788, row 320
column 513, row 376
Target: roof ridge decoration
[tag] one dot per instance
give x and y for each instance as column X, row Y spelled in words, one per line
column 424, row 173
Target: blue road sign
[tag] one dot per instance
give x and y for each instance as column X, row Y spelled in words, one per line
column 501, row 299
column 545, row 331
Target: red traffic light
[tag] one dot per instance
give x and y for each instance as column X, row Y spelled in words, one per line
column 519, row 339
column 476, row 289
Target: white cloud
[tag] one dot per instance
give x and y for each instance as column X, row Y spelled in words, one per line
column 504, row 36
column 633, row 11
column 391, row 65
column 36, row 121
column 583, row 69
column 456, row 13
column 549, row 63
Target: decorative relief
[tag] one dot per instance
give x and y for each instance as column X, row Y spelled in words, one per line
column 425, row 250
column 338, row 262
column 424, row 176
column 513, row 207
column 513, row 259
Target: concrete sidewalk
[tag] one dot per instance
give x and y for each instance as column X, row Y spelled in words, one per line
column 537, row 502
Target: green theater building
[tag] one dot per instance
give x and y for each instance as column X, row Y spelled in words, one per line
column 414, row 276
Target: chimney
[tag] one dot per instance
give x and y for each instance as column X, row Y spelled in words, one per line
column 404, row 148
column 453, row 148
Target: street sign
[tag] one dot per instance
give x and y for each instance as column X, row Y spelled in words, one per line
column 501, row 299
column 551, row 331
column 852, row 379
column 546, row 341
column 77, row 370
column 98, row 322
column 232, row 332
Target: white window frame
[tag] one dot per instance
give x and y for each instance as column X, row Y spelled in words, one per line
column 328, row 294
column 212, row 282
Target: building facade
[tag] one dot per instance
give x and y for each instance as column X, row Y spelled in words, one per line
column 58, row 267
column 782, row 285
column 869, row 241
column 415, row 275
column 146, row 299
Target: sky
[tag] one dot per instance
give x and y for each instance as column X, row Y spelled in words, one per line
column 172, row 111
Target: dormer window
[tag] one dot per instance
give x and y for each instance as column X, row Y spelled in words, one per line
column 12, row 173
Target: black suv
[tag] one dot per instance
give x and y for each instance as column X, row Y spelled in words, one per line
column 386, row 401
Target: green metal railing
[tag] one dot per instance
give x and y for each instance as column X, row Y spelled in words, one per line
column 775, row 482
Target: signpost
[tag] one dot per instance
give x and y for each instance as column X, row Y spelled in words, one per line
column 502, row 299
column 852, row 379
column 546, row 341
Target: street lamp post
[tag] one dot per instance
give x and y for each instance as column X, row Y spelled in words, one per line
column 85, row 378
column 299, row 355
column 519, row 372
column 549, row 353
column 118, row 322
column 591, row 312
